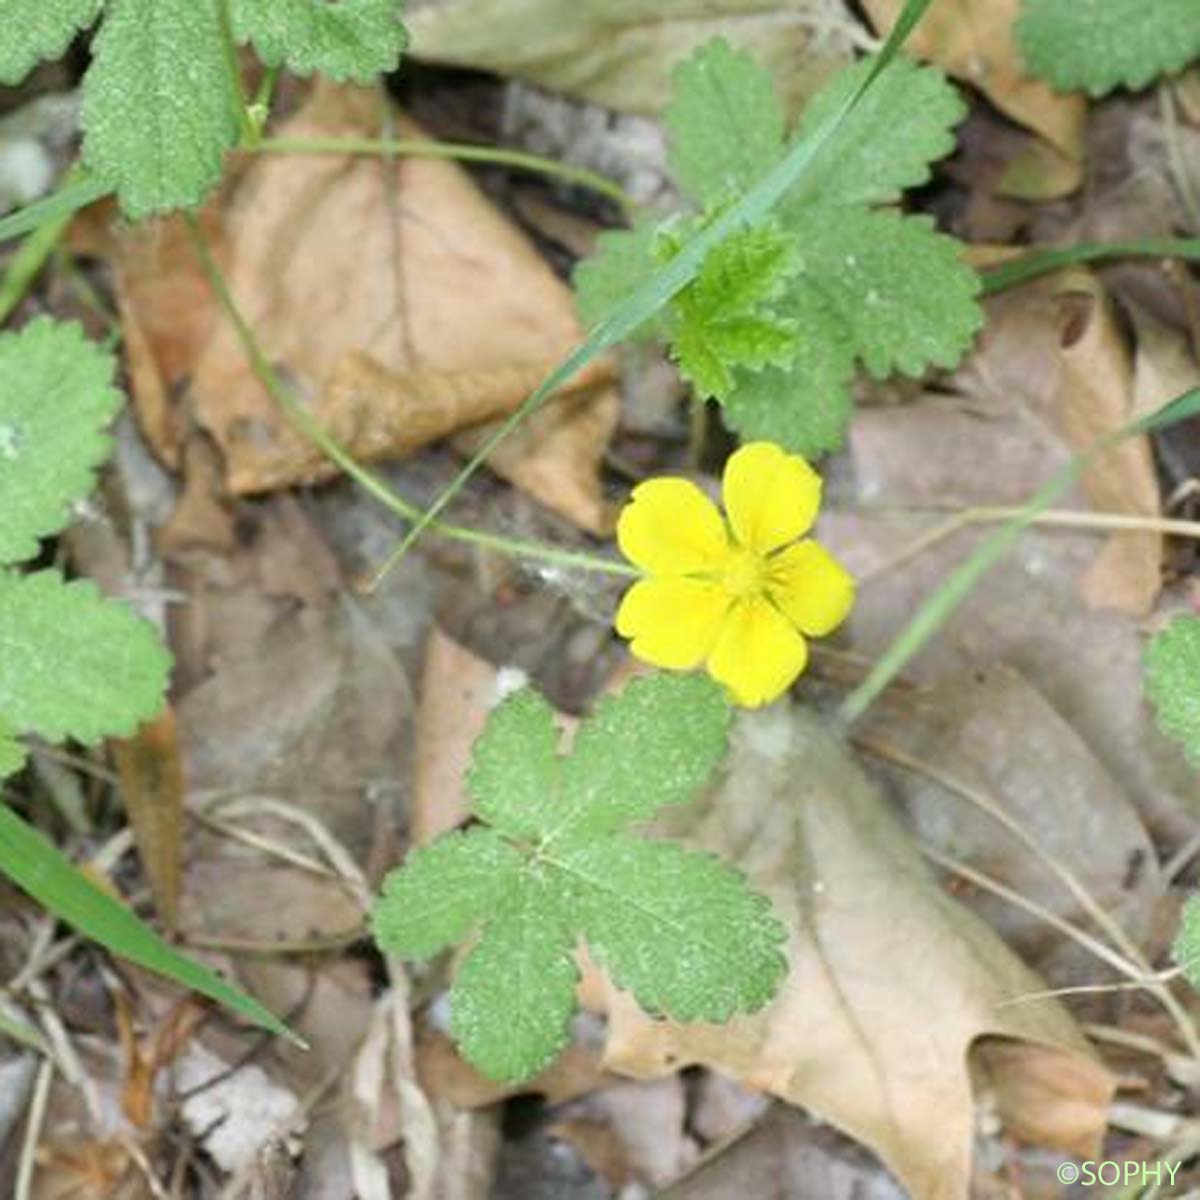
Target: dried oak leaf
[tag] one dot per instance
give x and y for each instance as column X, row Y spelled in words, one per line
column 892, row 983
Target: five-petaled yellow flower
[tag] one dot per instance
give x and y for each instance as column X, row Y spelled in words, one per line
column 738, row 594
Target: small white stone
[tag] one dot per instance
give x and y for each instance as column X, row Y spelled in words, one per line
column 26, row 172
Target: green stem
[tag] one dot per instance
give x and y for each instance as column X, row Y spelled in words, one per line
column 76, row 192
column 249, row 132
column 26, row 265
column 1042, row 262
column 959, row 584
column 303, row 421
column 260, row 108
column 661, row 287
column 459, row 151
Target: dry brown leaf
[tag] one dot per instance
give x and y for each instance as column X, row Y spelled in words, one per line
column 150, row 771
column 974, row 41
column 619, row 53
column 1096, row 398
column 446, row 1075
column 399, row 315
column 633, row 1130
column 1164, row 363
column 891, row 981
column 345, row 298
column 996, row 445
column 458, row 690
column 991, row 730
column 1056, row 1088
column 787, row 1156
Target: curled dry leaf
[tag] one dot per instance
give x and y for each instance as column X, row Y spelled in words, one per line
column 876, row 947
column 975, row 42
column 398, row 304
column 1096, row 398
column 150, row 771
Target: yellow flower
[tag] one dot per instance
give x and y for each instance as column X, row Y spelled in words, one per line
column 739, row 594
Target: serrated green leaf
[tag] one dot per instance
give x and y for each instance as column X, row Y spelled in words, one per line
column 351, row 39
column 1186, row 948
column 56, row 395
column 12, row 753
column 805, row 408
column 513, row 777
column 1173, row 682
column 725, row 123
column 36, row 866
column 624, row 259
column 1102, row 44
column 692, row 941
column 39, row 29
column 904, row 123
column 725, row 318
column 444, row 891
column 74, row 664
column 654, row 745
column 159, row 107
column 900, row 289
column 678, row 928
column 515, row 992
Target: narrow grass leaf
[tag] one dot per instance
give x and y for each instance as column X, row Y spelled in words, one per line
column 643, row 303
column 934, row 613
column 37, row 867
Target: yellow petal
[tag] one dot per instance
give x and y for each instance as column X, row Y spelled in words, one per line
column 812, row 588
column 771, row 497
column 757, row 654
column 672, row 622
column 670, row 527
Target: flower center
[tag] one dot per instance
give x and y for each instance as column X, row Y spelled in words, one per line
column 745, row 574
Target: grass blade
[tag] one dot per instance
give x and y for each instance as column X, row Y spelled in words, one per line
column 959, row 584
column 37, row 867
column 78, row 192
column 1042, row 262
column 680, row 271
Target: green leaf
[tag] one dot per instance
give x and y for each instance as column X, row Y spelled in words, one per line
column 38, row 868
column 56, row 396
column 1173, row 682
column 806, row 407
column 1186, row 948
column 515, row 992
column 904, row 123
column 725, row 123
column 725, row 317
column 445, row 890
column 624, row 260
column 159, row 106
column 12, row 753
column 351, row 39
column 900, row 289
column 514, row 766
column 40, row 29
column 678, row 928
column 656, row 744
column 650, row 297
column 1102, row 44
column 74, row 664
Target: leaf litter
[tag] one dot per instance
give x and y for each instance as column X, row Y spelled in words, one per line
column 320, row 731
